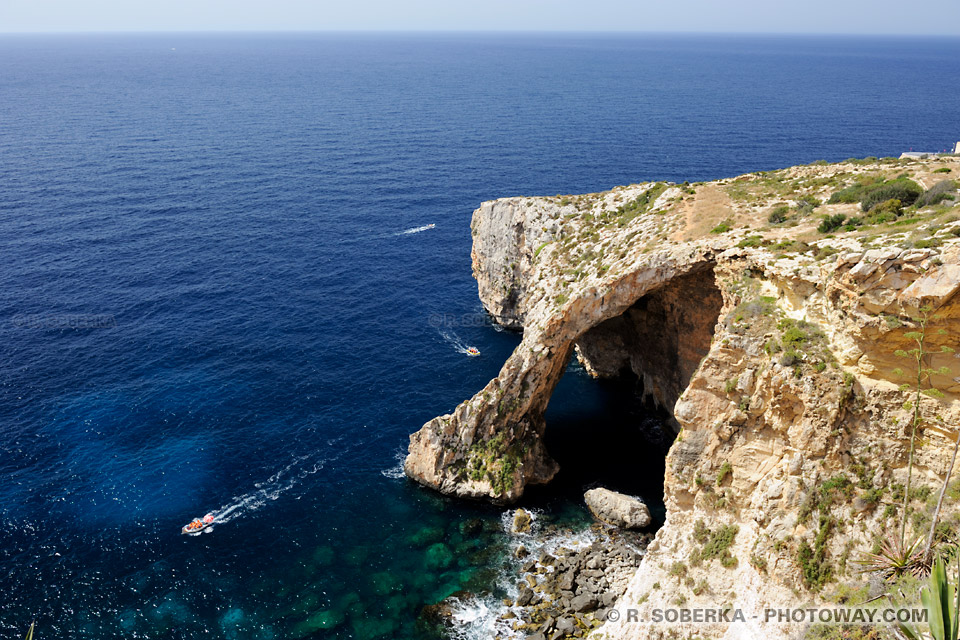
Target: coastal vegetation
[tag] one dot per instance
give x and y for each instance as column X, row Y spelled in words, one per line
column 714, row 544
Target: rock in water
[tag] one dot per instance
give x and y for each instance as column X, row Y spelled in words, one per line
column 617, row 509
column 441, row 613
column 439, row 556
column 521, row 521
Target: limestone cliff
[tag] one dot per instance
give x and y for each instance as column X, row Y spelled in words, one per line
column 771, row 342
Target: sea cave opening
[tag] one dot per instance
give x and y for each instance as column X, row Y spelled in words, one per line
column 609, row 421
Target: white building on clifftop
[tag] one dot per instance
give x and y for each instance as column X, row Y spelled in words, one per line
column 928, row 154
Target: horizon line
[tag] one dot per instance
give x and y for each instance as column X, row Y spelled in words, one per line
column 456, row 31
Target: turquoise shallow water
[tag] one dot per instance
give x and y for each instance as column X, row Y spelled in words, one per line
column 224, row 217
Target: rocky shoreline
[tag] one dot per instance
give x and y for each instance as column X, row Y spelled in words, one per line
column 561, row 583
column 568, row 592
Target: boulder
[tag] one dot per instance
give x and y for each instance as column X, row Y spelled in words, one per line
column 441, row 613
column 439, row 556
column 521, row 521
column 585, row 602
column 566, row 626
column 617, row 509
column 525, row 596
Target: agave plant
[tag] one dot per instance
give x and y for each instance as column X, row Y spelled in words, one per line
column 942, row 602
column 895, row 559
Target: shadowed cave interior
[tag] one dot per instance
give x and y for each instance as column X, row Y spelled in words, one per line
column 615, row 431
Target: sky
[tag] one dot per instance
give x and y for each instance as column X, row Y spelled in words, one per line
column 932, row 17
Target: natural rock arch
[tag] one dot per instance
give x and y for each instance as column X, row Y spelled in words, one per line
column 656, row 321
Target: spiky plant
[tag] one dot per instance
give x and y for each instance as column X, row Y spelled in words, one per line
column 922, row 385
column 895, row 559
column 942, row 602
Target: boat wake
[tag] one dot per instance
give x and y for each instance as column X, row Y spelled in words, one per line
column 268, row 490
column 407, row 232
column 454, row 341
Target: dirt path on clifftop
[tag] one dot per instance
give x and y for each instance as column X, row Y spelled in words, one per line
column 709, row 207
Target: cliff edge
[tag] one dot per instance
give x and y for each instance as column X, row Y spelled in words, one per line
column 765, row 313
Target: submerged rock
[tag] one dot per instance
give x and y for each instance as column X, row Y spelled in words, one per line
column 617, row 509
column 323, row 555
column 439, row 556
column 426, row 536
column 371, row 627
column 319, row 621
column 384, row 583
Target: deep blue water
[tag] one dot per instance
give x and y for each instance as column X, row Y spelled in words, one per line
column 232, row 206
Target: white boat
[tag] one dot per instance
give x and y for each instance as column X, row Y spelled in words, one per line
column 198, row 526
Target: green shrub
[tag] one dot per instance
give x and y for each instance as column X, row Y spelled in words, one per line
column 715, row 544
column 779, row 214
column 853, row 193
column 794, row 337
column 831, row 223
column 848, row 195
column 943, row 190
column 825, row 251
column 871, row 193
column 903, row 189
column 943, row 170
column 852, row 223
column 806, row 205
column 751, row 241
column 813, row 560
column 885, row 212
column 867, row 160
column 678, row 570
column 791, row 357
column 762, row 306
column 723, row 227
column 726, row 469
column 640, row 204
column 927, row 243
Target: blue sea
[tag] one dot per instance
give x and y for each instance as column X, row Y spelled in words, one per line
column 217, row 293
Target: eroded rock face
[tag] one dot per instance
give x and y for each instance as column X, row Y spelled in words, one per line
column 506, row 236
column 617, row 509
column 661, row 338
column 778, row 363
